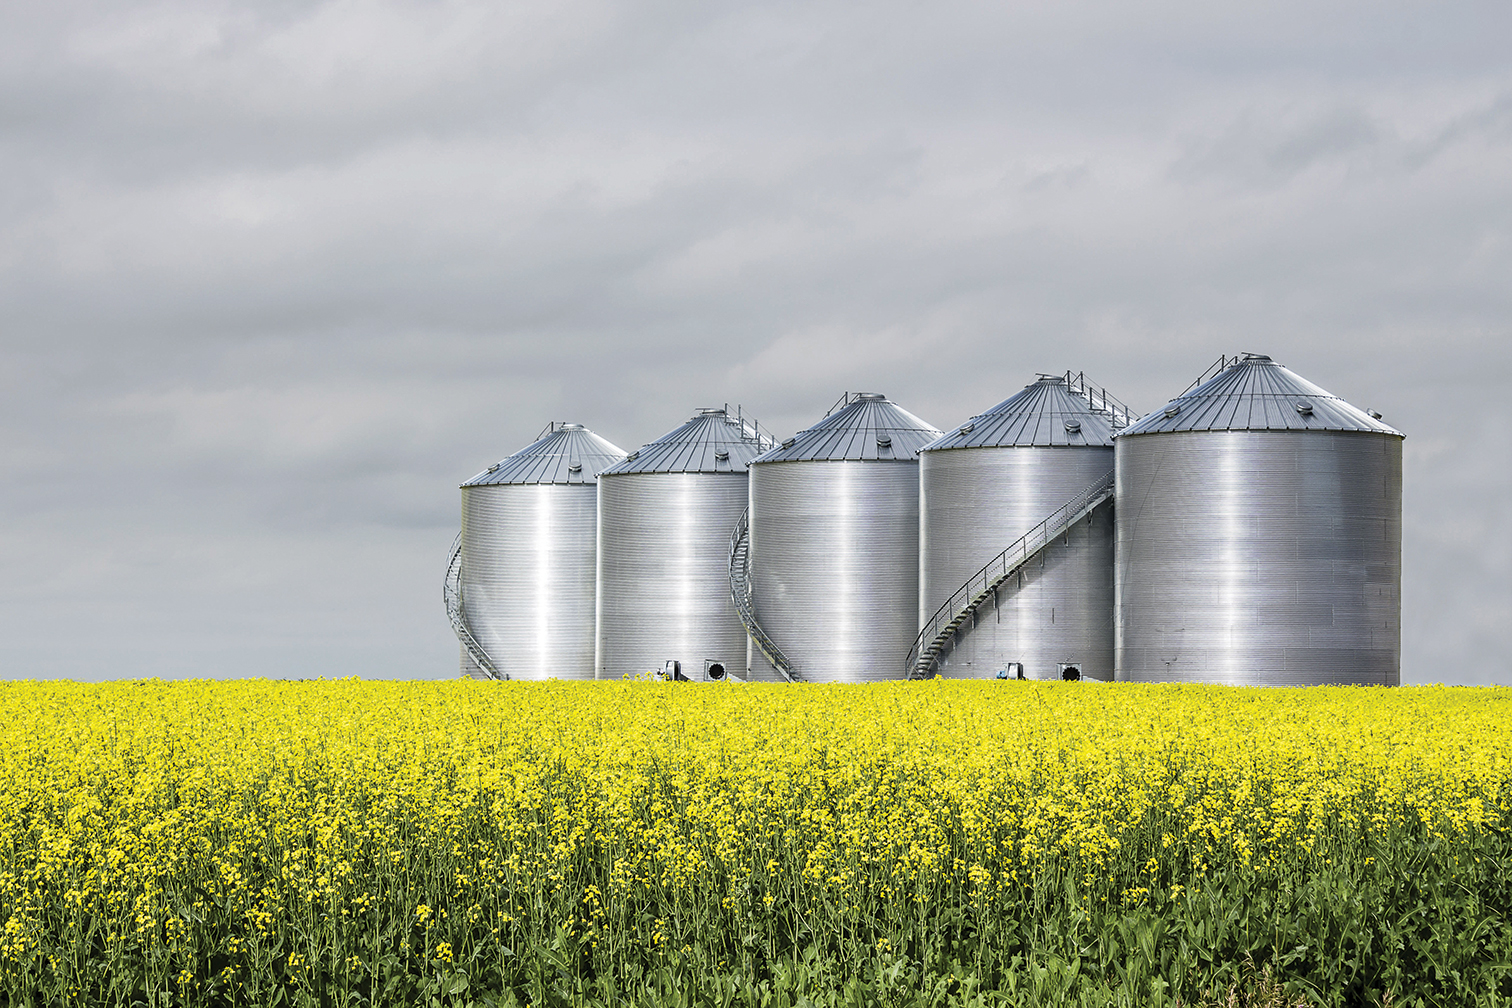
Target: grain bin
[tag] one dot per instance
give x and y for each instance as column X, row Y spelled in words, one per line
column 525, row 562
column 1259, row 534
column 834, row 542
column 991, row 481
column 665, row 517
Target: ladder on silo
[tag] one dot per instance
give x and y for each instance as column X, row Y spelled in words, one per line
column 743, row 597
column 451, row 592
column 941, row 628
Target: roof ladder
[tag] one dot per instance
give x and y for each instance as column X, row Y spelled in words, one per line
column 741, row 594
column 964, row 602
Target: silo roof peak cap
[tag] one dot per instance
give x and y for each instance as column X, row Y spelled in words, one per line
column 871, row 395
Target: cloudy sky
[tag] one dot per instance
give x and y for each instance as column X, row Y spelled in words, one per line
column 275, row 277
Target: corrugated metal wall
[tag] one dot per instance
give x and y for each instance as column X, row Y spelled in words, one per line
column 1259, row 557
column 664, row 588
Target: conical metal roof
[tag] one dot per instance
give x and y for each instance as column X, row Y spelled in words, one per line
column 713, row 441
column 570, row 453
column 869, row 428
column 1251, row 393
column 1046, row 413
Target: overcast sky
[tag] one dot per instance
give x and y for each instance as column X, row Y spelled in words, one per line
column 275, row 278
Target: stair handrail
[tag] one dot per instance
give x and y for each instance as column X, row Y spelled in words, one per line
column 742, row 595
column 939, row 628
column 1223, row 362
column 1120, row 414
column 451, row 593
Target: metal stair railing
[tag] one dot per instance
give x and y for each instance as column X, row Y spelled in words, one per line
column 941, row 627
column 741, row 595
column 451, row 592
column 1120, row 415
column 1223, row 363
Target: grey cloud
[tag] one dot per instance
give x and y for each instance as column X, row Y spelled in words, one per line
column 277, row 276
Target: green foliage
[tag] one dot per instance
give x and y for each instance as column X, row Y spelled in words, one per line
column 350, row 845
column 1403, row 918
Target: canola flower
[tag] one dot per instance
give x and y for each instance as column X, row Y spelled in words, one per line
column 240, row 842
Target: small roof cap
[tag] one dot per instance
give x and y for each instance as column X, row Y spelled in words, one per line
column 867, row 427
column 568, row 453
column 1254, row 393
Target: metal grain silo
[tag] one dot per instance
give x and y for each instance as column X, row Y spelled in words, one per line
column 834, row 543
column 665, row 518
column 990, row 482
column 520, row 592
column 1259, row 535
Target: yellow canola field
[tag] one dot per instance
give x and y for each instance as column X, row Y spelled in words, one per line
column 146, row 808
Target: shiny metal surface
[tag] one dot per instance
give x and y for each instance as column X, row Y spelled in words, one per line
column 713, row 441
column 665, row 518
column 834, row 543
column 835, row 566
column 567, row 453
column 869, row 427
column 1059, row 608
column 663, row 583
column 960, row 610
column 1046, row 412
column 529, row 552
column 991, row 481
column 1267, row 558
column 528, row 565
column 1254, row 392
